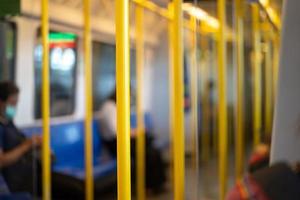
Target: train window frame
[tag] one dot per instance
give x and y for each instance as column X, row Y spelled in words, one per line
column 37, row 112
column 98, row 100
column 12, row 71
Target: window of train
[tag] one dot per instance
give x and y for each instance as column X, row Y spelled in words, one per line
column 63, row 61
column 7, row 50
column 104, row 72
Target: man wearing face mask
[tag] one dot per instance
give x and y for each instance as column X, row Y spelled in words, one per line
column 16, row 157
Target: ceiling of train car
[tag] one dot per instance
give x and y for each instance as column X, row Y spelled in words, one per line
column 163, row 3
column 105, row 9
column 105, row 5
column 98, row 6
column 210, row 7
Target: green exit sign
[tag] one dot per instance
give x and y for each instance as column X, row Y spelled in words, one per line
column 10, row 7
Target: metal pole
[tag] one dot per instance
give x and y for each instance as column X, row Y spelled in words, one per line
column 214, row 107
column 89, row 184
column 171, row 89
column 46, row 104
column 205, row 138
column 256, row 74
column 268, row 88
column 222, row 110
column 150, row 6
column 194, row 103
column 275, row 63
column 140, row 144
column 123, row 99
column 178, row 110
column 239, row 144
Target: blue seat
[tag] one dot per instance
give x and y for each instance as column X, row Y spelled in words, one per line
column 67, row 142
column 67, row 145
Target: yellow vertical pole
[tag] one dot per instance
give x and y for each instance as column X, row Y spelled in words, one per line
column 46, row 103
column 123, row 99
column 178, row 109
column 256, row 74
column 239, row 142
column 214, row 108
column 89, row 182
column 222, row 109
column 171, row 89
column 194, row 103
column 275, row 63
column 268, row 88
column 140, row 144
column 205, row 138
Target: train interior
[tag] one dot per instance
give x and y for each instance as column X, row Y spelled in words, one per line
column 252, row 41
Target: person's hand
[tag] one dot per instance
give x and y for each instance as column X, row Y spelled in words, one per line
column 262, row 149
column 36, row 140
column 133, row 132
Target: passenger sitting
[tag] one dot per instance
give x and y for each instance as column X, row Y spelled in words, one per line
column 277, row 182
column 3, row 186
column 154, row 162
column 5, row 193
column 16, row 159
column 260, row 157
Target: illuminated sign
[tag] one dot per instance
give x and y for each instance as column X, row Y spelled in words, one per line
column 63, row 40
column 62, row 47
column 62, row 51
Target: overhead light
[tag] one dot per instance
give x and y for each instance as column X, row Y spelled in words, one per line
column 201, row 15
column 213, row 22
column 195, row 11
column 264, row 2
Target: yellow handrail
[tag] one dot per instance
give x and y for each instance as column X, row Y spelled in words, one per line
column 256, row 75
column 268, row 88
column 178, row 110
column 140, row 143
column 163, row 12
column 271, row 14
column 214, row 107
column 276, row 55
column 89, row 184
column 154, row 8
column 46, row 103
column 171, row 93
column 222, row 86
column 194, row 103
column 123, row 99
column 205, row 69
column 239, row 144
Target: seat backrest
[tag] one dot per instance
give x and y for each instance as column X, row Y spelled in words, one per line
column 67, row 139
column 67, row 142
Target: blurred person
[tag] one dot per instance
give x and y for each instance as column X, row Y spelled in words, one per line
column 264, row 182
column 260, row 157
column 155, row 167
column 16, row 157
column 277, row 182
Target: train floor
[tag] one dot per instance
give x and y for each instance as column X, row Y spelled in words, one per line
column 207, row 183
